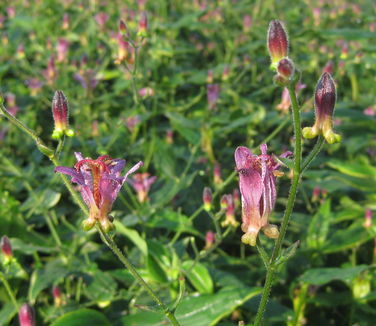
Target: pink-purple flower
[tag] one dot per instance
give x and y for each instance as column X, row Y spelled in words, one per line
column 141, row 182
column 99, row 182
column 257, row 183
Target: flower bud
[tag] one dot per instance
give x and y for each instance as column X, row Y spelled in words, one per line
column 6, row 248
column 277, row 41
column 325, row 99
column 143, row 25
column 230, row 213
column 122, row 27
column 285, row 68
column 271, row 231
column 26, row 315
column 207, row 198
column 368, row 218
column 56, row 293
column 209, row 239
column 217, row 174
column 224, row 202
column 60, row 114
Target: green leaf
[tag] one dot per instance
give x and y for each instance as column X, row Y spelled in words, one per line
column 319, row 276
column 171, row 220
column 319, row 226
column 7, row 312
column 158, row 261
column 287, row 253
column 41, row 201
column 186, row 127
column 42, row 279
column 102, row 287
column 199, row 276
column 351, row 237
column 82, row 317
column 133, row 236
column 205, row 310
column 359, row 170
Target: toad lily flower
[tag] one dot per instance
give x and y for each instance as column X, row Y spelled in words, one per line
column 99, row 182
column 257, row 183
column 141, row 182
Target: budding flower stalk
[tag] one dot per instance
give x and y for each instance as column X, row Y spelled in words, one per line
column 60, row 114
column 325, row 99
column 277, row 42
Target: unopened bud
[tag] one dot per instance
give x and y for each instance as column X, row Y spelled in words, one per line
column 271, row 231
column 285, row 68
column 209, row 239
column 88, row 224
column 6, row 248
column 325, row 99
column 122, row 27
column 217, row 174
column 368, row 218
column 143, row 25
column 207, row 198
column 277, row 41
column 56, row 293
column 60, row 114
column 224, row 202
column 26, row 315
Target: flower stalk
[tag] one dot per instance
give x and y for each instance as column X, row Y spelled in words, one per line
column 289, row 207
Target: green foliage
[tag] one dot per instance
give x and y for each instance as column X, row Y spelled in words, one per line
column 325, row 272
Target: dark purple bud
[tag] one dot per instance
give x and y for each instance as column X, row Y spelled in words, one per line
column 60, row 114
column 277, row 41
column 325, row 99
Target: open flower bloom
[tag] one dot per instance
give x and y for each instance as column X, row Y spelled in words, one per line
column 99, row 183
column 257, row 183
column 141, row 182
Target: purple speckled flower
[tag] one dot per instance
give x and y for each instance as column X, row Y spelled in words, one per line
column 257, row 183
column 99, row 181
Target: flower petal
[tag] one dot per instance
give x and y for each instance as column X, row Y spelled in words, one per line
column 243, row 158
column 77, row 177
column 133, row 169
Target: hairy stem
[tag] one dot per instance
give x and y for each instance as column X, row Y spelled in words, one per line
column 112, row 245
column 289, row 206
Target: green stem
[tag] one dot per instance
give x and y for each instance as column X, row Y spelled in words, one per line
column 52, row 228
column 315, row 150
column 9, row 290
column 112, row 245
column 289, row 206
